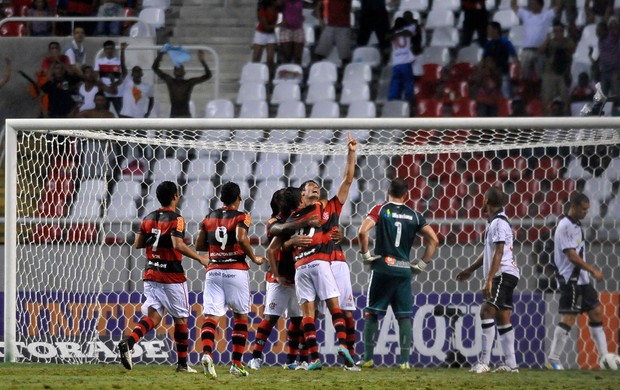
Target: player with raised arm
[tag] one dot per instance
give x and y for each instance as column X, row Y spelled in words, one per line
column 224, row 234
column 313, row 276
column 165, row 286
column 391, row 270
column 501, row 277
column 577, row 294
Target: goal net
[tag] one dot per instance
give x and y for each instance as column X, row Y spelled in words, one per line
column 77, row 190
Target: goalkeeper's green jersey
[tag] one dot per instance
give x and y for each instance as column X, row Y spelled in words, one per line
column 396, row 227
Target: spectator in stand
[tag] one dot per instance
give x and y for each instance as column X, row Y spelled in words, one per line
column 584, row 90
column 109, row 70
column 76, row 8
column 536, row 22
column 292, row 35
column 265, row 36
column 401, row 83
column 488, row 79
column 599, row 10
column 413, row 25
column 500, row 50
column 90, row 87
column 557, row 107
column 110, row 8
column 137, row 96
column 609, row 58
column 475, row 18
column 40, row 8
column 53, row 56
column 336, row 29
column 60, row 88
column 100, row 110
column 76, row 53
column 374, row 17
column 6, row 76
column 557, row 51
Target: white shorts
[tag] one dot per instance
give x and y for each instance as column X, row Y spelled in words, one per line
column 281, row 301
column 314, row 280
column 262, row 39
column 226, row 288
column 342, row 274
column 169, row 296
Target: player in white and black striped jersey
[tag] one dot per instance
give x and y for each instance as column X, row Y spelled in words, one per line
column 501, row 277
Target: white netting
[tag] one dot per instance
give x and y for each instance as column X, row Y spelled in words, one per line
column 81, row 195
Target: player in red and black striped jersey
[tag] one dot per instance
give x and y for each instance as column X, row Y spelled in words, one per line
column 165, row 287
column 224, row 233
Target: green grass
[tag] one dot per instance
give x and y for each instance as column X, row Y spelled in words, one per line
column 114, row 376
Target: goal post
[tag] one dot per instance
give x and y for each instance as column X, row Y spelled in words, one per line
column 72, row 281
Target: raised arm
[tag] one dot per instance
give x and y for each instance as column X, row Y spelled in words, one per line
column 123, row 63
column 156, row 69
column 349, row 170
column 207, row 75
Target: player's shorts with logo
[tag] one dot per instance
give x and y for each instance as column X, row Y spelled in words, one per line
column 577, row 298
column 281, row 301
column 389, row 289
column 342, row 274
column 314, row 280
column 226, row 288
column 169, row 296
column 501, row 291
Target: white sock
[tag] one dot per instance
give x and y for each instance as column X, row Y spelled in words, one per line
column 488, row 336
column 560, row 335
column 507, row 340
column 598, row 335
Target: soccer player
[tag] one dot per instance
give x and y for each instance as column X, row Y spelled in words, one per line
column 313, row 276
column 391, row 270
column 577, row 294
column 501, row 278
column 165, row 286
column 280, row 298
column 224, row 234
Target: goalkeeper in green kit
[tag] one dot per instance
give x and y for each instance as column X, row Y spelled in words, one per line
column 391, row 270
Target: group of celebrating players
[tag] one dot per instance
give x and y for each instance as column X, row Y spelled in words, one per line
column 308, row 274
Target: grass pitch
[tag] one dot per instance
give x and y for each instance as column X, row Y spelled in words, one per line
column 114, row 376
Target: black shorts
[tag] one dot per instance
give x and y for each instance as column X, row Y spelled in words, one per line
column 502, row 290
column 577, row 298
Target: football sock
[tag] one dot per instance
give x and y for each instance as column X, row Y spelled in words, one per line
column 339, row 325
column 507, row 340
column 239, row 338
column 293, row 335
column 310, row 336
column 181, row 339
column 488, row 336
column 371, row 324
column 207, row 334
column 142, row 328
column 262, row 334
column 350, row 323
column 598, row 335
column 404, row 338
column 560, row 335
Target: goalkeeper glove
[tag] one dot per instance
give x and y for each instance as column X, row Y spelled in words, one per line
column 418, row 267
column 367, row 258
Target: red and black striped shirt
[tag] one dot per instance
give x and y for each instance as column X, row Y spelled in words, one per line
column 284, row 259
column 163, row 262
column 317, row 250
column 220, row 227
column 330, row 221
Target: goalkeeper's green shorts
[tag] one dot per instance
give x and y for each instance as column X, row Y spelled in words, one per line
column 388, row 289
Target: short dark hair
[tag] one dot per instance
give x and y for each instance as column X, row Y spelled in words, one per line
column 290, row 200
column 101, row 94
column 229, row 193
column 540, row 2
column 53, row 43
column 558, row 23
column 276, row 200
column 496, row 26
column 165, row 192
column 398, row 187
column 109, row 42
column 496, row 197
column 578, row 198
column 303, row 185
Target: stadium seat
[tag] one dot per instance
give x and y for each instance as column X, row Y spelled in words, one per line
column 504, row 107
column 439, row 17
column 250, row 136
column 414, row 5
column 216, row 135
column 163, row 4
column 142, row 30
column 445, row 37
column 435, row 55
column 238, row 166
column 325, row 109
column 254, row 72
column 9, row 11
column 357, row 72
column 395, row 109
column 464, row 107
column 513, row 168
column 362, row 109
column 507, row 18
column 251, row 91
column 319, row 92
column 166, row 169
column 367, row 54
column 196, row 200
column 284, row 92
column 153, row 16
column 452, row 5
column 444, row 166
column 354, row 91
column 304, row 167
column 455, row 90
column 13, row 29
column 128, row 194
column 429, row 108
column 471, row 54
column 548, row 168
column 291, row 109
column 270, row 166
column 461, row 71
column 288, row 73
column 88, row 201
column 323, row 72
column 220, row 108
column 201, row 168
column 432, row 73
column 598, row 188
column 309, row 35
column 254, row 109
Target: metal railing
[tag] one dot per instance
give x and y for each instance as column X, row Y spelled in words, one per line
column 72, row 19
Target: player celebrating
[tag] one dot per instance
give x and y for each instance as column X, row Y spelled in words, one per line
column 165, row 286
column 391, row 270
column 502, row 276
column 577, row 294
column 224, row 233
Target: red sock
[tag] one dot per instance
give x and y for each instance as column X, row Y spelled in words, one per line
column 262, row 334
column 181, row 338
column 339, row 325
column 239, row 338
column 142, row 328
column 207, row 334
column 310, row 335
